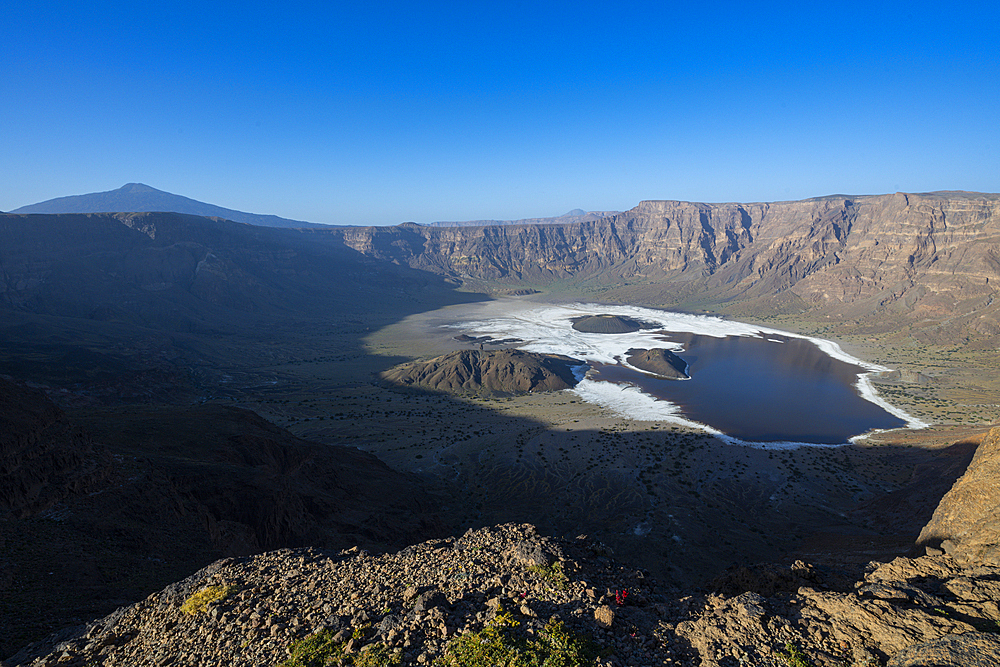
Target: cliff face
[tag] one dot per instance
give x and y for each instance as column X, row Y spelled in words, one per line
column 882, row 259
column 43, row 457
column 966, row 524
column 915, row 255
column 100, row 507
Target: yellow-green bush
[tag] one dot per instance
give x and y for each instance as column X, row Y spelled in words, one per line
column 200, row 600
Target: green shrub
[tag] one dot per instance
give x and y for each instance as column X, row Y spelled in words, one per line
column 320, row 650
column 378, row 655
column 795, row 657
column 490, row 646
column 499, row 645
column 553, row 574
column 200, row 600
column 314, row 651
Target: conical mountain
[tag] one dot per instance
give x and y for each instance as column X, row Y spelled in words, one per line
column 138, row 197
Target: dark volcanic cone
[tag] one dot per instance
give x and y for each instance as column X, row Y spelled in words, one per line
column 497, row 372
column 659, row 362
column 608, row 324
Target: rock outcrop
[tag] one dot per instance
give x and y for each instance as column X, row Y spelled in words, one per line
column 491, row 373
column 920, row 612
column 411, row 603
column 658, row 361
column 606, row 324
column 966, row 524
column 894, row 613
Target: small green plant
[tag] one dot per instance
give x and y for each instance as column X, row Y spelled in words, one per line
column 490, row 646
column 554, row 574
column 794, row 657
column 314, row 651
column 199, row 601
column 320, row 650
column 499, row 644
column 379, row 655
column 941, row 612
column 556, row 646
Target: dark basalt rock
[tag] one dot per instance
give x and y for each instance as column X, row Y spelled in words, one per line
column 609, row 324
column 663, row 363
column 495, row 372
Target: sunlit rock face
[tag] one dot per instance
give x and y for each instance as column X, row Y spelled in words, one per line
column 875, row 257
column 966, row 525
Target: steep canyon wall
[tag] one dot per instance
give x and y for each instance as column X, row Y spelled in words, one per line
column 913, row 256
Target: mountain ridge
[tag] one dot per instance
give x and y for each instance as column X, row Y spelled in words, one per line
column 871, row 259
column 142, row 198
column 576, row 215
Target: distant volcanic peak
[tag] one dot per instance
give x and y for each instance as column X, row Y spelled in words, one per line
column 495, row 372
column 610, row 324
column 133, row 188
column 658, row 361
column 142, row 198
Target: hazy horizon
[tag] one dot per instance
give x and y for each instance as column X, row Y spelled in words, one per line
column 388, row 113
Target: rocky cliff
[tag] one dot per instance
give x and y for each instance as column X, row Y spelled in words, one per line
column 879, row 258
column 930, row 260
column 966, row 524
column 44, row 457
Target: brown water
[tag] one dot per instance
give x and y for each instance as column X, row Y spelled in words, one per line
column 763, row 391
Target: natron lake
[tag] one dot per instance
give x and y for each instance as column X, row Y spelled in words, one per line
column 773, row 389
column 751, row 383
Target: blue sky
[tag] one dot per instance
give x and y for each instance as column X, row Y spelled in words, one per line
column 379, row 113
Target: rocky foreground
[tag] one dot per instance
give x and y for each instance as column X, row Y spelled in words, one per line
column 466, row 601
column 408, row 607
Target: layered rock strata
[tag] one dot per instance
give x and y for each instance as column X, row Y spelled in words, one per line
column 922, row 256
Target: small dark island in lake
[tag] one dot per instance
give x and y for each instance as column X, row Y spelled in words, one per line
column 610, row 324
column 663, row 363
column 488, row 373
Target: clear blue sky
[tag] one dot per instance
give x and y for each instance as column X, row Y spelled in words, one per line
column 379, row 113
